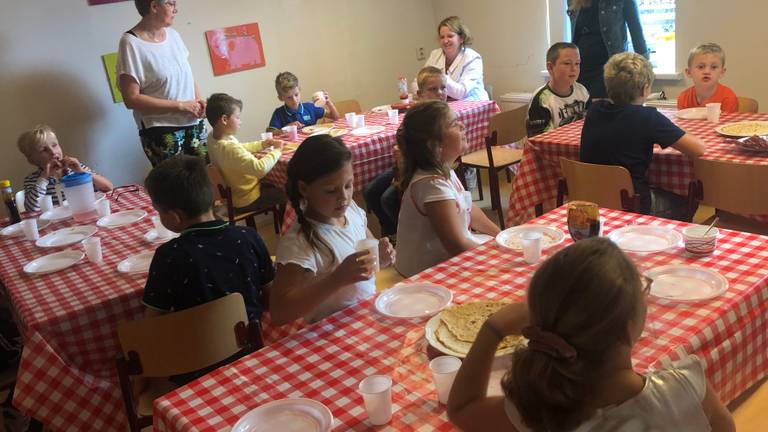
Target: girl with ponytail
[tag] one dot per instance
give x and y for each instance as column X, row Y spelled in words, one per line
column 585, row 310
column 318, row 270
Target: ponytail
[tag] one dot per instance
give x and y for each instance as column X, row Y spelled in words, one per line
column 581, row 302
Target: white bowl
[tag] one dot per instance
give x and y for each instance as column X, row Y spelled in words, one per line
column 696, row 242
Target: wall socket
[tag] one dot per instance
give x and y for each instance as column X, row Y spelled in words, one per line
column 420, row 53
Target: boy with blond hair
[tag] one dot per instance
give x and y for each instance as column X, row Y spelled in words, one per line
column 621, row 131
column 41, row 148
column 706, row 65
column 432, row 84
column 294, row 112
column 242, row 171
column 561, row 100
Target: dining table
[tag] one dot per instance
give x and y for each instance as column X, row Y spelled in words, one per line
column 372, row 152
column 326, row 360
column 535, row 184
column 68, row 320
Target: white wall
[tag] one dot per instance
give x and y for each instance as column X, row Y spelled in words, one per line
column 512, row 38
column 50, row 64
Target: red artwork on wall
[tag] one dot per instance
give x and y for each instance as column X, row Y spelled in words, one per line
column 235, row 49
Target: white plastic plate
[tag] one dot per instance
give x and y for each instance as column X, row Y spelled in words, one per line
column 57, row 214
column 121, row 218
column 368, row 130
column 17, row 230
column 152, row 237
column 287, row 415
column 417, row 300
column 53, row 262
column 135, row 264
column 645, row 238
column 698, row 113
column 510, row 237
column 66, row 236
column 686, row 283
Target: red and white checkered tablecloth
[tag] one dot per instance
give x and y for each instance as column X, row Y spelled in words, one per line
column 536, row 180
column 68, row 319
column 326, row 361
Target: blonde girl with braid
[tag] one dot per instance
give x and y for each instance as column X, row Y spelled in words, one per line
column 585, row 311
column 318, row 269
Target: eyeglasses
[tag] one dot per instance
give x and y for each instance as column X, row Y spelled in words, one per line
column 116, row 192
column 647, row 282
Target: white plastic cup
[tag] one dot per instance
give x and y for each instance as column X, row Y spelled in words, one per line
column 160, row 229
column 92, row 247
column 46, row 203
column 319, row 99
column 393, row 115
column 444, row 369
column 372, row 246
column 266, row 136
column 531, row 241
column 103, row 207
column 713, row 112
column 350, row 117
column 29, row 226
column 293, row 132
column 602, row 225
column 359, row 121
column 78, row 188
column 377, row 397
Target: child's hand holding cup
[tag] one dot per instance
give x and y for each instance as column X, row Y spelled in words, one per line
column 320, row 98
column 371, row 246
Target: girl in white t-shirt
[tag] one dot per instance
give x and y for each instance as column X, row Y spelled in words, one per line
column 436, row 213
column 319, row 270
column 586, row 308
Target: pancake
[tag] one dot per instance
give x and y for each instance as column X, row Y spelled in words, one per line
column 460, row 324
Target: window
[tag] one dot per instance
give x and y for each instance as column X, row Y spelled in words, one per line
column 656, row 16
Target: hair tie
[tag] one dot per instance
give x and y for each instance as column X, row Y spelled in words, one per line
column 549, row 343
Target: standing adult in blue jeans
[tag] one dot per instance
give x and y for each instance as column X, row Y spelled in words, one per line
column 599, row 29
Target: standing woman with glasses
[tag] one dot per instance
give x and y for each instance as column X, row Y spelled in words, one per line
column 599, row 29
column 156, row 81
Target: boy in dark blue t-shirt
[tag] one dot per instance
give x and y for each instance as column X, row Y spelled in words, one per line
column 621, row 131
column 211, row 258
column 293, row 111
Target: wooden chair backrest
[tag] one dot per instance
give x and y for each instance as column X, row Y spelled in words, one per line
column 600, row 184
column 509, row 125
column 348, row 106
column 187, row 340
column 217, row 181
column 747, row 105
column 733, row 187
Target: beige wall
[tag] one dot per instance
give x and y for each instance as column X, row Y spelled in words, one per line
column 50, row 64
column 512, row 38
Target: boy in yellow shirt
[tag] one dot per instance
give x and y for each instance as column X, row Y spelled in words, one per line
column 242, row 171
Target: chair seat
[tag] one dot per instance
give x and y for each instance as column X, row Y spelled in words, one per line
column 156, row 387
column 502, row 157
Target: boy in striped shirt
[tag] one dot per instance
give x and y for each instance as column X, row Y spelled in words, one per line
column 41, row 148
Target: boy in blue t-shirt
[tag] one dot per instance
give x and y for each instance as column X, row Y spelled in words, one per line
column 293, row 111
column 621, row 131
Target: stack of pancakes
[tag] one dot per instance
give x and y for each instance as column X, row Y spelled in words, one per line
column 460, row 324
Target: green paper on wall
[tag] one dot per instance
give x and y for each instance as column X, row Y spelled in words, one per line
column 110, row 65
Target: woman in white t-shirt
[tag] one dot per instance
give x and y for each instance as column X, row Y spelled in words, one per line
column 319, row 269
column 436, row 214
column 156, row 82
column 585, row 310
column 462, row 65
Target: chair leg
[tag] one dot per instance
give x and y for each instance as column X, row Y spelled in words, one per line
column 276, row 220
column 460, row 172
column 479, row 183
column 509, row 174
column 251, row 221
column 495, row 189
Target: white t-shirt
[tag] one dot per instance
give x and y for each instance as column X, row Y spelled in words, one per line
column 465, row 76
column 418, row 246
column 162, row 71
column 294, row 248
column 670, row 401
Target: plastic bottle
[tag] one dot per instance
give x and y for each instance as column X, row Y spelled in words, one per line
column 402, row 85
column 10, row 201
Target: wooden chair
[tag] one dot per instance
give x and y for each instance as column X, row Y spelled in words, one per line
column 348, row 106
column 178, row 343
column 732, row 188
column 223, row 194
column 608, row 186
column 747, row 105
column 505, row 128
